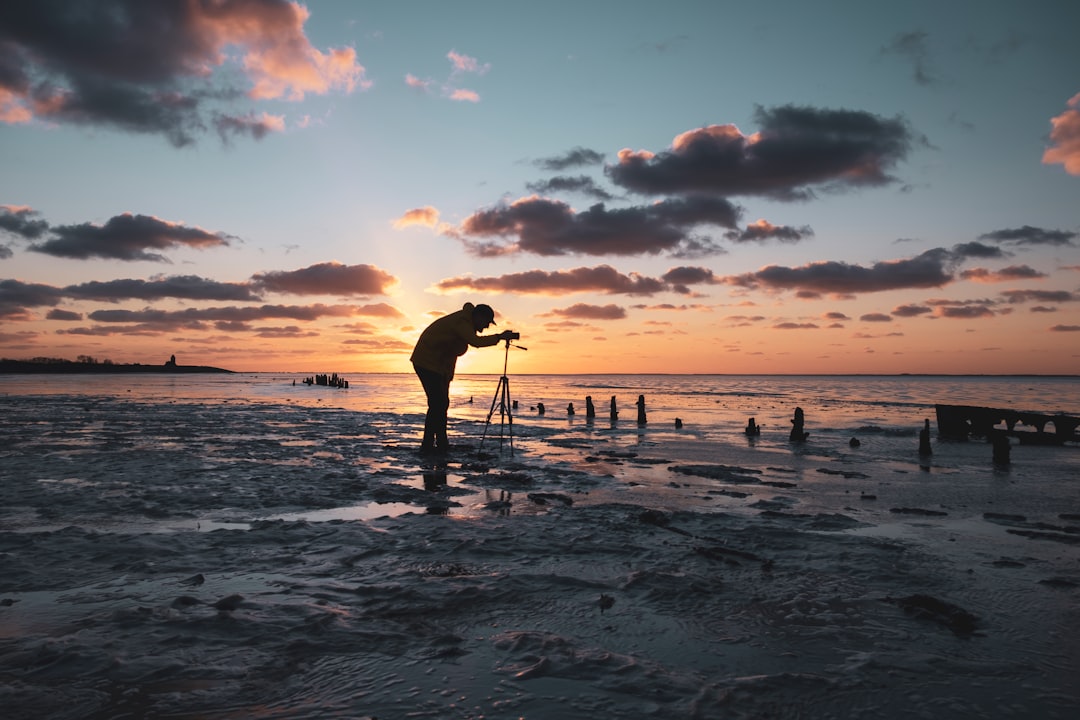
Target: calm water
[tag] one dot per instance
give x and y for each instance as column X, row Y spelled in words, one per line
column 722, row 402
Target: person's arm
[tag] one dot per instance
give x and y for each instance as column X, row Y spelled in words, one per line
column 489, row 340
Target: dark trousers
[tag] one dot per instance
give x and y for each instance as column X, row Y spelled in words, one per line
column 437, row 389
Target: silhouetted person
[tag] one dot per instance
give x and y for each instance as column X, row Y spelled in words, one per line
column 570, row 409
column 641, row 410
column 435, row 357
column 752, row 428
column 797, row 434
column 924, row 439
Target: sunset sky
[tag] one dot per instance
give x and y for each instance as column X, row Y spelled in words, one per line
column 689, row 187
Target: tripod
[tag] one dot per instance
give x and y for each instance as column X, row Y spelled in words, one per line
column 502, row 401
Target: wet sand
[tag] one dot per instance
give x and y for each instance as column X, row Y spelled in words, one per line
column 196, row 560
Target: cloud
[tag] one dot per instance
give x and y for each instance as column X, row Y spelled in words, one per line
column 21, row 221
column 426, row 216
column 912, row 47
column 464, row 95
column 256, row 127
column 1028, row 235
column 875, row 317
column 150, row 67
column 964, row 312
column 1008, row 274
column 797, row 149
column 795, row 326
column 64, row 315
column 126, row 237
column 562, row 183
column 16, row 297
column 465, row 64
column 1065, row 328
column 460, row 64
column 188, row 287
column 926, row 270
column 330, row 278
column 591, row 312
column 195, row 318
column 1055, row 296
column 602, row 279
column 576, row 157
column 911, row 310
column 6, row 252
column 548, row 227
column 762, row 230
column 1065, row 135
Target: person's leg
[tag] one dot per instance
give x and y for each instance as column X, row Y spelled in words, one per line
column 437, row 390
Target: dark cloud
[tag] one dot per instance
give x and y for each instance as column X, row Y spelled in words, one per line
column 583, row 311
column 875, row 317
column 126, row 237
column 1007, row 274
column 16, row 297
column 794, row 326
column 577, row 157
column 66, row 315
column 187, row 287
column 6, row 252
column 1028, row 235
column 602, row 279
column 976, row 250
column 579, row 184
column 911, row 310
column 1014, row 297
column 797, row 149
column 229, row 126
column 547, row 227
column 242, row 314
column 1065, row 328
column 964, row 312
column 21, row 221
column 331, row 278
column 926, row 270
column 148, row 67
column 763, row 230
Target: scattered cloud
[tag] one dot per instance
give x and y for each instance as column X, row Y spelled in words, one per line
column 460, row 65
column 1008, row 274
column 1065, row 136
column 150, row 67
column 929, row 269
column 912, row 47
column 330, row 278
column 602, row 279
column 187, row 287
column 796, row 150
column 583, row 311
column 1028, row 235
column 542, row 226
column 126, row 237
column 581, row 184
column 762, row 230
column 575, row 157
column 21, row 221
column 426, row 216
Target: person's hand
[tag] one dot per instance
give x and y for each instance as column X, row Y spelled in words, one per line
column 509, row 335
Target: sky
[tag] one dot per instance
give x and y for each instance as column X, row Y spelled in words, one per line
column 637, row 187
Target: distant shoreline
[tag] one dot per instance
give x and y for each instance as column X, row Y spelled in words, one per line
column 20, row 367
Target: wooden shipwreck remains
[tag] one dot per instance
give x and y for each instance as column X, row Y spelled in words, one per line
column 958, row 422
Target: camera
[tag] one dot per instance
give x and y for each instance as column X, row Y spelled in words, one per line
column 511, row 335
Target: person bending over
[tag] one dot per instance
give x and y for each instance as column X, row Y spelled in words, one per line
column 435, row 357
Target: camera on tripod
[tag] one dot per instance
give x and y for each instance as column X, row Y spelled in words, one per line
column 511, row 335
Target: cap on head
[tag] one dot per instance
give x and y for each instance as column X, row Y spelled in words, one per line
column 485, row 313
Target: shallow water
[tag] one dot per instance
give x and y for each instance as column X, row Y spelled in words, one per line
column 226, row 547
